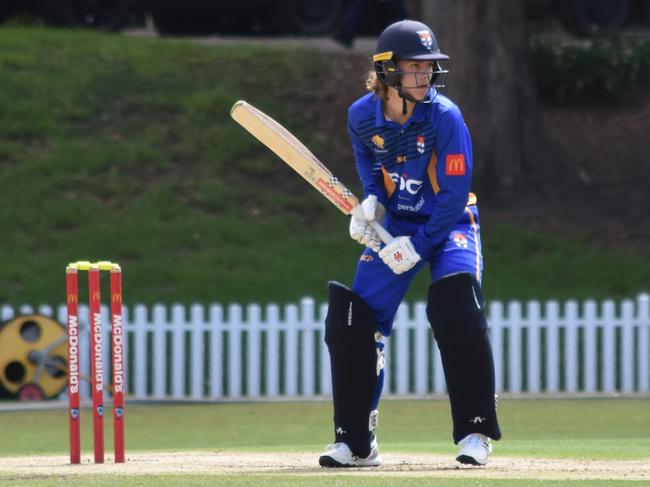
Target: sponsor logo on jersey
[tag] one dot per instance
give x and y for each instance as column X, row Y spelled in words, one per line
column 425, row 38
column 366, row 258
column 455, row 165
column 412, row 186
column 413, row 208
column 378, row 140
column 459, row 239
column 378, row 144
column 420, row 143
column 400, row 159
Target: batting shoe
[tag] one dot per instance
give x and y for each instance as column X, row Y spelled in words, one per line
column 475, row 449
column 339, row 455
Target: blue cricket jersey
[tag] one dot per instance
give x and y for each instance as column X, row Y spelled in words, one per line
column 421, row 171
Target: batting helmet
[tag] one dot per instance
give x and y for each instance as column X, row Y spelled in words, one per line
column 407, row 39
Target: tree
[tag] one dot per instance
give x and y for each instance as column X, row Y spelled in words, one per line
column 491, row 79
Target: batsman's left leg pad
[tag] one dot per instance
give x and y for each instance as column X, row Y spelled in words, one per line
column 456, row 312
column 356, row 359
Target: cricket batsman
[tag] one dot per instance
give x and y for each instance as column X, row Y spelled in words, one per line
column 413, row 155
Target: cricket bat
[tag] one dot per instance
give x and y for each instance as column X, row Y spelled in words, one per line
column 288, row 148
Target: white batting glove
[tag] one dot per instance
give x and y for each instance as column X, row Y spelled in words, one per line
column 400, row 255
column 361, row 230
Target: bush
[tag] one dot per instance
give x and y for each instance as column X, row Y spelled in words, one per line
column 592, row 71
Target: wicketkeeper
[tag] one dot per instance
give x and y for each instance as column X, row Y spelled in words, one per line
column 414, row 157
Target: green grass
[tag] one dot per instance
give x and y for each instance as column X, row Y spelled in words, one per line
column 586, row 429
column 122, row 148
column 597, row 428
column 328, row 480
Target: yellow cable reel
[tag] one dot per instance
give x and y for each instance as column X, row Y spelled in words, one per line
column 33, row 357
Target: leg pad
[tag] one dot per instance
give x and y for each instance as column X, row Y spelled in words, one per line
column 356, row 359
column 456, row 314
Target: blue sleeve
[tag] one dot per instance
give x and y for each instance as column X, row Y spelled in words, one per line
column 368, row 168
column 454, row 173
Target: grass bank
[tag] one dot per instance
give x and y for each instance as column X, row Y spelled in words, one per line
column 122, row 148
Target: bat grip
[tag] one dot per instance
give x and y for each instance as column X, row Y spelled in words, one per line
column 381, row 231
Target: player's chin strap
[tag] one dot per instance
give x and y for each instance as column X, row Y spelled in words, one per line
column 406, row 96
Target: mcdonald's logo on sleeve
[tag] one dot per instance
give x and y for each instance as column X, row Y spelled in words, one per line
column 455, row 165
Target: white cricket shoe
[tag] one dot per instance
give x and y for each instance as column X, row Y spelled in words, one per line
column 339, row 455
column 475, row 449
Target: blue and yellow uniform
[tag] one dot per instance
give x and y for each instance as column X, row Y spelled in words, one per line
column 421, row 172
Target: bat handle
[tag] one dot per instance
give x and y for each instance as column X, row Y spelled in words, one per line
column 382, row 232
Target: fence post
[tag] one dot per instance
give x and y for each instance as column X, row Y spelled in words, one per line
column 7, row 312
column 440, row 383
column 234, row 350
column 254, row 319
column 197, row 319
column 216, row 351
column 533, row 346
column 627, row 346
column 325, row 368
column 291, row 351
column 643, row 320
column 159, row 352
column 421, row 349
column 514, row 346
column 571, row 346
column 308, row 327
column 178, row 323
column 61, row 313
column 140, row 352
column 401, row 333
column 552, row 346
column 591, row 345
column 273, row 350
column 495, row 323
column 609, row 346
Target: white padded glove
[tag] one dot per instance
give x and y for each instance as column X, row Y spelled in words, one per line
column 361, row 230
column 400, row 255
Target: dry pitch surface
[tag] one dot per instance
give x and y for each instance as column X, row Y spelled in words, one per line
column 395, row 464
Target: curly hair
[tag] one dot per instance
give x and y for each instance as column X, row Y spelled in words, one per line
column 377, row 86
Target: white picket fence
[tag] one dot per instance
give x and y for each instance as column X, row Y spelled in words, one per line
column 253, row 352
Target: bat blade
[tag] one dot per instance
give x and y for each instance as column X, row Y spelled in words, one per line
column 288, row 148
column 293, row 152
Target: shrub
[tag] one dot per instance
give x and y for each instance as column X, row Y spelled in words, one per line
column 592, row 71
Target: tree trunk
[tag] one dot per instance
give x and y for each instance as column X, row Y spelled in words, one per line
column 491, row 79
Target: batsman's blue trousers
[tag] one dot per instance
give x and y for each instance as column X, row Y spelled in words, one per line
column 383, row 290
